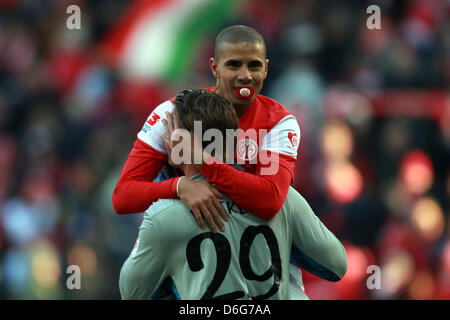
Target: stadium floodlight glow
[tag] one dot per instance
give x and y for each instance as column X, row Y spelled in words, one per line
column 427, row 217
column 83, row 256
column 344, row 182
column 422, row 286
column 336, row 140
column 416, row 172
column 45, row 265
column 398, row 270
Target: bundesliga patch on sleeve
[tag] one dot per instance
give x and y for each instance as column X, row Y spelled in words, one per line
column 151, row 121
column 153, row 127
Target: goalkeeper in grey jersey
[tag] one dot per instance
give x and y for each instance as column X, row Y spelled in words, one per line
column 249, row 260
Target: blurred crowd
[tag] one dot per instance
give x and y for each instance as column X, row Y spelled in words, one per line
column 373, row 162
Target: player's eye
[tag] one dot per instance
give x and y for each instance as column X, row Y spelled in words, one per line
column 255, row 65
column 233, row 63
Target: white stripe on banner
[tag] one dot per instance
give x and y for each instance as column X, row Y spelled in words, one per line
column 148, row 50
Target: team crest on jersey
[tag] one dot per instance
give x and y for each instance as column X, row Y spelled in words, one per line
column 247, row 149
column 293, row 139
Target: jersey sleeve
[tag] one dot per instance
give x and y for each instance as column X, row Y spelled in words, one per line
column 145, row 269
column 315, row 248
column 153, row 127
column 283, row 138
column 135, row 190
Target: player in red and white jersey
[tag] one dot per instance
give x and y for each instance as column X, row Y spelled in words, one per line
column 166, row 258
column 240, row 62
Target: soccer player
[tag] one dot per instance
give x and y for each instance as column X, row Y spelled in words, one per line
column 250, row 259
column 240, row 67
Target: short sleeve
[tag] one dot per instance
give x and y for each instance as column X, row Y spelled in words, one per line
column 283, row 138
column 153, row 127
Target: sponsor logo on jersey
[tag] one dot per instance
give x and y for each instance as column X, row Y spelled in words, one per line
column 151, row 121
column 293, row 139
column 247, row 149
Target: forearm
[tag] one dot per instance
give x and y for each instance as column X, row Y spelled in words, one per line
column 261, row 195
column 137, row 196
column 135, row 191
column 331, row 265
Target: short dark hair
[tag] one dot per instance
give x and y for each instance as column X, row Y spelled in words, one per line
column 213, row 110
column 237, row 34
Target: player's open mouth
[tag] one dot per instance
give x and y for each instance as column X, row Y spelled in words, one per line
column 244, row 92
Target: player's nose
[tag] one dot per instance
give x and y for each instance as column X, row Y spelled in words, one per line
column 244, row 74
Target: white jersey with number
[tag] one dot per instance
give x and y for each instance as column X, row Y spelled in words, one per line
column 249, row 260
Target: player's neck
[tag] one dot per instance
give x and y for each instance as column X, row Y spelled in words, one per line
column 241, row 109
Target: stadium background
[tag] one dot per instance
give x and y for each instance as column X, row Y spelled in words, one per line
column 373, row 106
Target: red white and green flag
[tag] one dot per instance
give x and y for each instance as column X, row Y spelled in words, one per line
column 157, row 39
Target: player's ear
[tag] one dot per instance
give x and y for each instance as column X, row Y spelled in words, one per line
column 213, row 65
column 266, row 68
